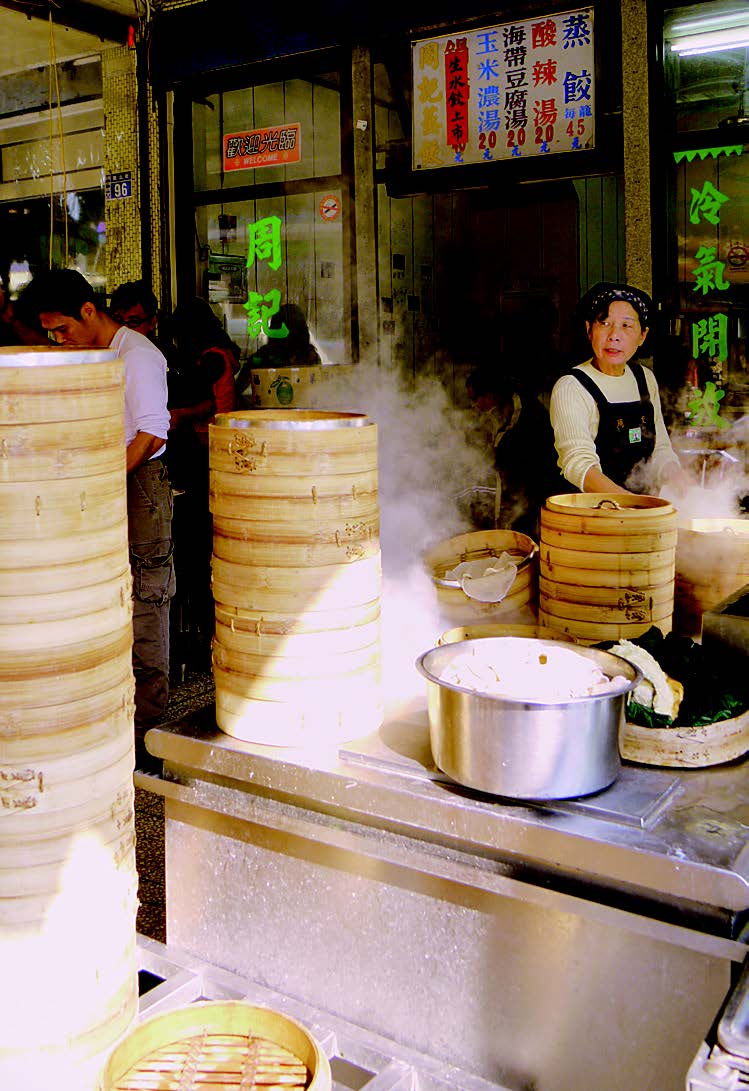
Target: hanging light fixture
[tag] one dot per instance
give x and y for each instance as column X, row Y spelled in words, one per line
column 709, row 33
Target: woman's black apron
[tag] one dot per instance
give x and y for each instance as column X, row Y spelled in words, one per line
column 626, row 430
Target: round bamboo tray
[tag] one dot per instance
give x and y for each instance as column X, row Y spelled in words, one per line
column 18, row 664
column 622, row 598
column 585, row 561
column 298, row 670
column 474, row 632
column 616, row 578
column 61, row 449
column 648, row 613
column 311, row 720
column 254, row 543
column 243, row 636
column 291, row 624
column 592, row 632
column 296, row 575
column 46, row 721
column 323, row 586
column 230, row 1044
column 686, row 747
column 455, row 605
column 609, row 543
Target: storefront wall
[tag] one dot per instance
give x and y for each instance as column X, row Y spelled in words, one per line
column 472, row 271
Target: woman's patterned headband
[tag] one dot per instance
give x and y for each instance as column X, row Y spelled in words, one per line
column 599, row 298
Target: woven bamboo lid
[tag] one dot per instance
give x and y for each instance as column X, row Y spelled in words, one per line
column 228, row 1044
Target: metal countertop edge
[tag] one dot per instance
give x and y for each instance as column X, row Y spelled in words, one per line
column 541, row 839
column 456, row 867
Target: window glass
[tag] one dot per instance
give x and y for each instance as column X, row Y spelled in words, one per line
column 706, row 58
column 300, row 117
column 309, row 273
column 705, row 55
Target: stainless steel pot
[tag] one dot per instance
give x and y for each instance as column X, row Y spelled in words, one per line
column 525, row 749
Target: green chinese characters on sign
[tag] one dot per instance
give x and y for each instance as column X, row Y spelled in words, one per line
column 265, row 242
column 260, row 309
column 710, row 337
column 704, row 407
column 709, row 271
column 706, row 202
column 265, row 246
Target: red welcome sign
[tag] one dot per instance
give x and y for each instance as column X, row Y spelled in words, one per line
column 275, row 146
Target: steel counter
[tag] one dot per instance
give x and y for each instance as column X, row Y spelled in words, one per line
column 566, row 946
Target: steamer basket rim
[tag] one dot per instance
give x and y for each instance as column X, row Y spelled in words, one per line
column 41, row 356
column 305, row 420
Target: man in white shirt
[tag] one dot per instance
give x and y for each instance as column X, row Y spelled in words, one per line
column 66, row 307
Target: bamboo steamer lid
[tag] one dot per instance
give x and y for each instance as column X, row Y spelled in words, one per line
column 233, row 1044
column 608, row 520
column 619, row 506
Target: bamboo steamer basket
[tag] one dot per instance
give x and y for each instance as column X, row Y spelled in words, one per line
column 230, row 1043
column 686, row 747
column 455, row 606
column 606, row 565
column 712, row 561
column 68, row 884
column 296, row 575
column 255, row 543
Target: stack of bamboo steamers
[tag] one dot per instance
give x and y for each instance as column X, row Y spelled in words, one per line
column 296, row 575
column 67, row 839
column 606, row 565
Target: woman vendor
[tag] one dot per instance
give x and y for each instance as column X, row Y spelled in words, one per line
column 609, row 431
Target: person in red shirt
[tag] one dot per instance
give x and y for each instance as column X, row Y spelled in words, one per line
column 201, row 385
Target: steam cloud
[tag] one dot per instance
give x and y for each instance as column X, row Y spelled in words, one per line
column 429, row 453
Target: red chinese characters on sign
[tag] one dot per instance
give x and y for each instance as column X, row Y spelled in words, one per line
column 457, row 92
column 273, row 147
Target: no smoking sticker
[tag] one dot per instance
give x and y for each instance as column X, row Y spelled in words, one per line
column 330, row 207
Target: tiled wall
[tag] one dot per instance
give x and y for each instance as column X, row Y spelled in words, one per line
column 121, row 154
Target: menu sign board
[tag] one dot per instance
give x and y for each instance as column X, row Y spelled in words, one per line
column 502, row 92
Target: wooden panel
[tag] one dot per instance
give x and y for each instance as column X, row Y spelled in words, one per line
column 385, row 270
column 301, row 252
column 299, row 109
column 327, row 130
column 419, row 300
column 401, row 236
column 330, row 323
